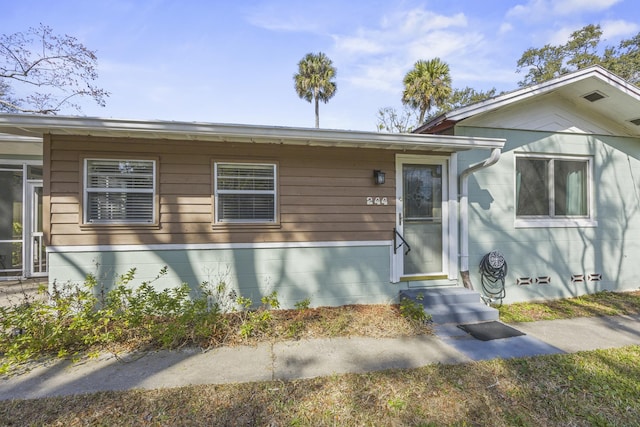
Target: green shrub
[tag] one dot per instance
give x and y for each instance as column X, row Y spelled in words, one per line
column 413, row 310
column 303, row 305
column 76, row 318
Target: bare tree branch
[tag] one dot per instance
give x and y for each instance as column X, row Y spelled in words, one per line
column 60, row 65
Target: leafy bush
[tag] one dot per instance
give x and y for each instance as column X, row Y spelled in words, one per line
column 76, row 318
column 413, row 310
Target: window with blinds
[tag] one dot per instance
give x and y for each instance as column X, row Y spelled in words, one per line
column 119, row 191
column 245, row 192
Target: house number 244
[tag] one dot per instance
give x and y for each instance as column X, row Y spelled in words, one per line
column 377, row 201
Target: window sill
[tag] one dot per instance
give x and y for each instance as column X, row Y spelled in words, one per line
column 133, row 226
column 227, row 226
column 556, row 223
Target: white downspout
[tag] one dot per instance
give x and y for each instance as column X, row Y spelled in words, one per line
column 464, row 212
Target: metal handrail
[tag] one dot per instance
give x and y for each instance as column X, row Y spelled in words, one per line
column 396, row 234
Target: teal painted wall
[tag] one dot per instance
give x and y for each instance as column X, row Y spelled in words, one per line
column 327, row 275
column 611, row 249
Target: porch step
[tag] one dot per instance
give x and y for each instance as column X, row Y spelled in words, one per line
column 452, row 305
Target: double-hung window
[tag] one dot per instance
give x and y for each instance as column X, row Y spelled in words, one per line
column 245, row 193
column 553, row 190
column 119, row 191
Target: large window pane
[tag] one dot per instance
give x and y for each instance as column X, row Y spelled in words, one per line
column 532, row 189
column 422, row 191
column 245, row 192
column 119, row 191
column 552, row 187
column 11, row 221
column 570, row 188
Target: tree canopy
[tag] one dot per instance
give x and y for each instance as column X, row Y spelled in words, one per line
column 426, row 86
column 582, row 50
column 392, row 121
column 42, row 72
column 315, row 80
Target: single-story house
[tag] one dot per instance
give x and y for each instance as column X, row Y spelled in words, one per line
column 563, row 203
column 327, row 215
column 545, row 178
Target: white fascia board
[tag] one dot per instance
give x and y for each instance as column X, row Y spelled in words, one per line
column 545, row 87
column 41, row 125
column 20, row 139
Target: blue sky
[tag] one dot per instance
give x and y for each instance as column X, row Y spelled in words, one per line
column 234, row 61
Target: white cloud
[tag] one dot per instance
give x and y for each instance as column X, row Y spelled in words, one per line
column 618, row 28
column 505, row 27
column 561, row 35
column 532, row 10
column 419, row 20
column 537, row 10
column 291, row 23
column 282, row 16
column 611, row 30
column 363, row 43
column 377, row 57
column 568, row 7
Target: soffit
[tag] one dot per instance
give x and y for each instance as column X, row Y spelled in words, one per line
column 38, row 126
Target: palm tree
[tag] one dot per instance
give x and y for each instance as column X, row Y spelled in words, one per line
column 426, row 86
column 315, row 80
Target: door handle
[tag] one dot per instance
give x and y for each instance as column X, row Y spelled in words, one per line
column 400, row 218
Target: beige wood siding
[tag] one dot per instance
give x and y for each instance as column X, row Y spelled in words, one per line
column 321, row 192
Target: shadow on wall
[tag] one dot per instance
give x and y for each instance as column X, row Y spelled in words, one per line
column 563, row 254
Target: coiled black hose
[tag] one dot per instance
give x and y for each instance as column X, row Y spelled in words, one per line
column 493, row 271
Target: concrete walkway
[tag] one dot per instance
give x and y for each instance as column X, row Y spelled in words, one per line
column 313, row 358
column 13, row 292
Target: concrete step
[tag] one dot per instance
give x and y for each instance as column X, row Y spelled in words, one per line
column 452, row 305
column 448, row 295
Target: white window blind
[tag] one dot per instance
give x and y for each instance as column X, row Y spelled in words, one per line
column 119, row 191
column 245, row 192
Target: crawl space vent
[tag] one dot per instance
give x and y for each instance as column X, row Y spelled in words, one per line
column 636, row 121
column 577, row 278
column 594, row 96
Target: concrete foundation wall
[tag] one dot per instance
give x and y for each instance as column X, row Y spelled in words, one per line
column 331, row 275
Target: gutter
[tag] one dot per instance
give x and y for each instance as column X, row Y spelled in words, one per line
column 464, row 212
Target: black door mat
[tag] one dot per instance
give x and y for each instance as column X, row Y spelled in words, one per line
column 487, row 331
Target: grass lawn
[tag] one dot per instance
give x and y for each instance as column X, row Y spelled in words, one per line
column 584, row 389
column 599, row 304
column 591, row 388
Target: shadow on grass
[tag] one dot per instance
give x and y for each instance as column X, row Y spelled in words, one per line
column 591, row 388
column 599, row 304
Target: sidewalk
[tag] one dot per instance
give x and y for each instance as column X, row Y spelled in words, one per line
column 14, row 291
column 313, row 358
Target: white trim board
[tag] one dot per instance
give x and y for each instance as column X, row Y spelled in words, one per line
column 216, row 246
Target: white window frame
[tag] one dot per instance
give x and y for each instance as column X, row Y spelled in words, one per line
column 549, row 221
column 218, row 192
column 86, row 190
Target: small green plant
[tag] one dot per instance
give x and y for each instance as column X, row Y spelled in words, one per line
column 258, row 321
column 303, row 305
column 413, row 310
column 396, row 404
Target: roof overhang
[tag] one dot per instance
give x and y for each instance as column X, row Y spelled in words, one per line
column 38, row 126
column 621, row 102
column 15, row 145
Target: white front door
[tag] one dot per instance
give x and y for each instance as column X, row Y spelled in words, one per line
column 422, row 218
column 35, row 252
